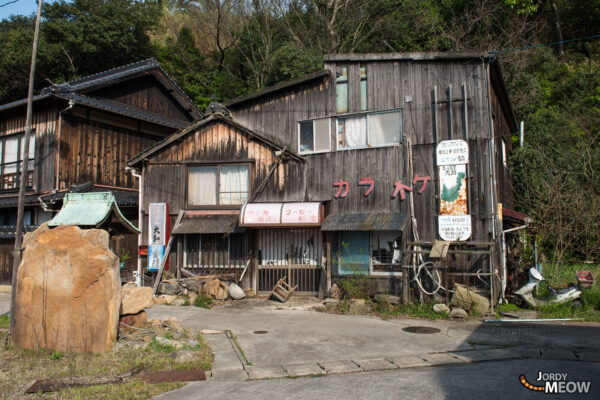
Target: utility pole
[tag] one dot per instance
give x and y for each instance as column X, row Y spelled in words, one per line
column 23, row 171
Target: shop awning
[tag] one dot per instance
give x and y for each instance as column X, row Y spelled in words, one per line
column 281, row 214
column 208, row 223
column 365, row 222
column 92, row 210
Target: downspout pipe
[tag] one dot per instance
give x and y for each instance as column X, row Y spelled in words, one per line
column 138, row 278
column 58, row 136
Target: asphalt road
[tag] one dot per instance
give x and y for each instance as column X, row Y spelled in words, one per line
column 488, row 380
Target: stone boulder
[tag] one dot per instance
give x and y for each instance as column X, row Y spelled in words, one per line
column 135, row 299
column 69, row 291
column 128, row 323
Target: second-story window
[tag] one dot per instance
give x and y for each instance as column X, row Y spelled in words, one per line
column 341, row 88
column 11, row 154
column 314, row 136
column 369, row 130
column 363, row 88
column 218, row 185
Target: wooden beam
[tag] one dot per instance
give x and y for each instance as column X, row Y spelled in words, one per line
column 166, row 256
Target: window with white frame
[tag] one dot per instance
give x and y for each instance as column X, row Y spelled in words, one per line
column 369, row 130
column 314, row 136
column 11, row 154
column 363, row 88
column 218, row 185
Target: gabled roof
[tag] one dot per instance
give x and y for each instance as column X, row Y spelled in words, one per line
column 96, row 210
column 279, row 86
column 210, row 118
column 110, row 77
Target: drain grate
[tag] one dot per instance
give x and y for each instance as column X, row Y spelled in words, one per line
column 420, row 329
column 260, row 332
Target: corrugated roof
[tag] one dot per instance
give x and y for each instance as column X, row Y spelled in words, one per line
column 90, row 210
column 365, row 222
column 208, row 224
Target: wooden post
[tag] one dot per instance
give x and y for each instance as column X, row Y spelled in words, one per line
column 179, row 258
column 328, row 262
column 166, row 255
column 405, row 293
column 255, row 262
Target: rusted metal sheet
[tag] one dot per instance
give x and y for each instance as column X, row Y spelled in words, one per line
column 208, row 224
column 365, row 222
column 453, row 189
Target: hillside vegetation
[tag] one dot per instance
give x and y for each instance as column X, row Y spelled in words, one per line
column 232, row 47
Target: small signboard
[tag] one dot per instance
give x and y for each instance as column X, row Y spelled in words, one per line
column 277, row 214
column 158, row 234
column 449, row 152
column 454, row 227
column 155, row 256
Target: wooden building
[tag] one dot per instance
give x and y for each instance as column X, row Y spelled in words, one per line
column 83, row 133
column 355, row 169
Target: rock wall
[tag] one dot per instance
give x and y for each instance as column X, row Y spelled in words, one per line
column 69, row 291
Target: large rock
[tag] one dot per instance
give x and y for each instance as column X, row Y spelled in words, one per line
column 216, row 288
column 68, row 293
column 129, row 323
column 135, row 299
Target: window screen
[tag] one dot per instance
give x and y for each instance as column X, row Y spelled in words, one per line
column 322, row 135
column 384, row 128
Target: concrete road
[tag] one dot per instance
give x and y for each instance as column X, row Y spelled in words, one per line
column 489, row 380
column 295, row 336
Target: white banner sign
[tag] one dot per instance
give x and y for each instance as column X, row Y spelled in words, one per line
column 454, row 227
column 450, row 152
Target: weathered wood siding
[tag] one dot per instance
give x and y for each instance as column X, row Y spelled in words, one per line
column 98, row 152
column 502, row 133
column 405, row 85
column 165, row 174
column 147, row 93
column 44, row 124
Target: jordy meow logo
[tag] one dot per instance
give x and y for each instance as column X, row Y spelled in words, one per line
column 555, row 382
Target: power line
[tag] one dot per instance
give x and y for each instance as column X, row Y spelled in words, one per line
column 533, row 46
column 7, row 3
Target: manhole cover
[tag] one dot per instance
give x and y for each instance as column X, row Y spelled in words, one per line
column 420, row 329
column 261, row 332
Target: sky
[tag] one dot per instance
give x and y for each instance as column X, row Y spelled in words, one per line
column 23, row 7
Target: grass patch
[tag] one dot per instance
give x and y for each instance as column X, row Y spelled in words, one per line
column 506, row 307
column 566, row 310
column 133, row 389
column 21, row 367
column 4, row 321
column 560, row 274
column 203, row 302
column 386, row 310
column 239, row 347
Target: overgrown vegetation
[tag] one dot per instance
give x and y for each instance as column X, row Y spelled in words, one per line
column 202, row 301
column 4, row 321
column 231, row 47
column 21, row 367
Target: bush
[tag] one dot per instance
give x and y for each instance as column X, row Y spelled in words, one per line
column 355, row 287
column 203, row 302
column 591, row 298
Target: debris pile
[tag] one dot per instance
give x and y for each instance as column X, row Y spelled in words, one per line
column 217, row 287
